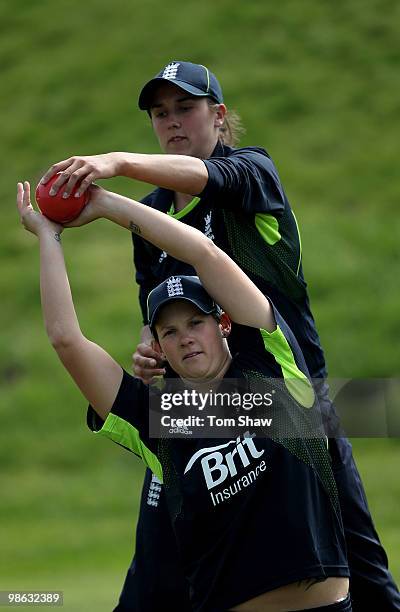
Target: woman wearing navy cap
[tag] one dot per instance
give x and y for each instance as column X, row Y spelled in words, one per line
column 256, row 519
column 235, row 197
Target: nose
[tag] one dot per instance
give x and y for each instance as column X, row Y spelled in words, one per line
column 186, row 339
column 174, row 121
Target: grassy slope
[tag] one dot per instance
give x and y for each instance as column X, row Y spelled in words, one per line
column 314, row 85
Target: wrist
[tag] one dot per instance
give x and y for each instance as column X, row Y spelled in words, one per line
column 49, row 233
column 123, row 164
column 127, row 164
column 101, row 201
column 104, row 203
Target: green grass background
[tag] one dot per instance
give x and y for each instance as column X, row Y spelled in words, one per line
column 315, row 83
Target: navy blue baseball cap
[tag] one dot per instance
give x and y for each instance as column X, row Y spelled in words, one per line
column 196, row 79
column 187, row 288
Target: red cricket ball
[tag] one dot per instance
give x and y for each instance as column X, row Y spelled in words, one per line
column 57, row 208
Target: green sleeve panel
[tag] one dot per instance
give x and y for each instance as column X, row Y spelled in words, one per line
column 122, row 432
column 296, row 381
column 184, row 211
column 268, row 227
column 300, row 247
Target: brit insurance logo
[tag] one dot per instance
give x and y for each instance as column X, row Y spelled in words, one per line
column 170, row 71
column 223, row 467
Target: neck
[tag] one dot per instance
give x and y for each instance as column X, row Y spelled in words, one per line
column 182, row 199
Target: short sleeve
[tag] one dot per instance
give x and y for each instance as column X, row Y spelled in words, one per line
column 276, row 354
column 128, row 422
column 246, row 179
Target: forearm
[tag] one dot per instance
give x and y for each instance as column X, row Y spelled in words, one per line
column 58, row 309
column 180, row 173
column 179, row 240
column 221, row 277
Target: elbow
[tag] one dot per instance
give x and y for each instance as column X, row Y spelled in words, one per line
column 207, row 254
column 61, row 340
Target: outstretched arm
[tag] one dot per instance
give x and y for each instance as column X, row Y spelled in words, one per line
column 97, row 375
column 221, row 277
column 180, row 173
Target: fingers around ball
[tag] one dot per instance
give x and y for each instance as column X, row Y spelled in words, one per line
column 59, row 167
column 85, row 184
column 66, row 172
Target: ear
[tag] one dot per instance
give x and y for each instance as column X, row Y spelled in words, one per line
column 220, row 115
column 225, row 325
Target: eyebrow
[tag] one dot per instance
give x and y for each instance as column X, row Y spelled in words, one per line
column 164, row 327
column 186, row 320
column 184, row 99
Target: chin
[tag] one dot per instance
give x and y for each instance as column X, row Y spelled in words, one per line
column 193, row 374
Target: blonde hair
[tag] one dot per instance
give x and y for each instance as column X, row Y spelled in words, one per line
column 232, row 129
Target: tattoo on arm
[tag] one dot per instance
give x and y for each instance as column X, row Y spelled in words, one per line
column 134, row 228
column 57, row 236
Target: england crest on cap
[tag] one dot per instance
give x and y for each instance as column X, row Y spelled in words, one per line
column 170, row 71
column 174, row 286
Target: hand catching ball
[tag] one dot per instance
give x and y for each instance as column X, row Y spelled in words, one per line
column 57, row 208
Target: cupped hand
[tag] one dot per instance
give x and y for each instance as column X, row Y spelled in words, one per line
column 92, row 210
column 30, row 218
column 83, row 170
column 147, row 363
